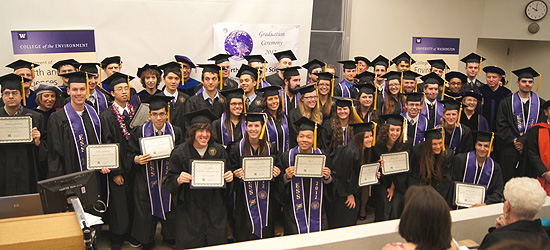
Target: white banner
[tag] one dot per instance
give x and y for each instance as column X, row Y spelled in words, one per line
column 251, row 39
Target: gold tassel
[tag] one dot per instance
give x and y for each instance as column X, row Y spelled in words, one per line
column 389, row 65
column 442, row 94
column 443, row 137
column 401, row 82
column 265, row 68
column 23, row 91
column 315, row 137
column 100, row 82
column 169, row 111
column 318, row 102
column 332, row 87
column 445, row 71
column 128, row 88
column 415, row 86
column 32, row 71
column 221, row 79
column 410, row 62
column 262, row 134
column 258, row 80
column 491, row 144
column 374, row 134
column 403, row 130
column 283, row 97
column 182, row 80
column 88, row 87
column 538, row 86
column 244, row 103
column 459, row 114
column 357, row 116
column 480, row 61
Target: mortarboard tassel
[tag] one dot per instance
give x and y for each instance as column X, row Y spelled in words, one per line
column 88, row 87
column 423, row 103
column 356, row 69
column 443, row 137
column 100, row 82
column 374, row 134
column 491, row 144
column 401, row 82
column 265, row 68
column 415, row 86
column 357, row 116
column 480, row 61
column 459, row 115
column 315, row 137
column 262, row 134
column 258, row 80
column 403, row 130
column 129, row 87
column 332, row 87
column 318, row 102
column 410, row 62
column 283, row 97
column 221, row 79
column 538, row 86
column 182, row 80
column 244, row 103
column 445, row 71
column 32, row 71
column 23, row 91
column 169, row 111
column 389, row 65
column 442, row 94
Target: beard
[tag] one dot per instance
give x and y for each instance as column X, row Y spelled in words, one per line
column 293, row 90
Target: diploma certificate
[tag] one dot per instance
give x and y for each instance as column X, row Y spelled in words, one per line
column 467, row 195
column 258, row 168
column 367, row 176
column 102, row 156
column 141, row 116
column 395, row 162
column 309, row 165
column 159, row 147
column 16, row 129
column 207, row 173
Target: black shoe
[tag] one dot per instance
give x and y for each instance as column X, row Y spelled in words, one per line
column 148, row 246
column 133, row 242
column 362, row 217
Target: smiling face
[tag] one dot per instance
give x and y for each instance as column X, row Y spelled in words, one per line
column 367, row 140
column 349, row 74
column 151, row 81
column 210, row 81
column 408, row 86
column 413, row 108
column 394, row 86
column 343, row 112
column 93, row 79
column 403, row 66
column 186, row 71
column 158, row 117
column 470, row 103
column 77, row 91
column 324, row 87
column 482, row 149
column 455, row 85
column 247, row 83
column 437, row 146
column 394, row 132
column 48, row 100
column 450, row 116
column 202, row 136
column 236, row 106
column 120, row 92
column 171, row 81
column 309, row 99
column 254, row 129
column 272, row 102
column 366, row 99
column 305, row 140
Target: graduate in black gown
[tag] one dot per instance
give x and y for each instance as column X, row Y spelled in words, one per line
column 255, row 204
column 366, row 107
column 201, row 213
column 111, row 65
column 304, row 198
column 470, row 117
column 19, row 162
column 492, row 94
column 477, row 167
column 343, row 210
column 457, row 138
column 313, row 68
column 99, row 98
column 258, row 62
column 64, row 67
column 71, row 128
column 222, row 60
column 416, row 123
column 473, row 61
column 338, row 125
column 149, row 76
column 230, row 126
column 26, row 69
column 277, row 122
column 152, row 199
column 393, row 99
column 284, row 60
column 325, row 82
column 432, row 109
column 389, row 193
column 172, row 77
column 208, row 95
column 515, row 116
column 308, row 107
column 291, row 85
column 248, row 81
column 538, row 142
column 345, row 88
column 430, row 164
column 115, row 123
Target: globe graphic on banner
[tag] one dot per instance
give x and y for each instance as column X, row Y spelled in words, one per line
column 239, row 44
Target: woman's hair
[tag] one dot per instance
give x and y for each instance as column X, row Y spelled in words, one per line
column 263, row 144
column 366, row 153
column 316, row 114
column 426, row 220
column 327, row 109
column 279, row 111
column 38, row 100
column 149, row 72
column 336, row 127
column 190, row 138
column 431, row 164
column 384, row 136
column 227, row 121
column 389, row 106
column 370, row 109
column 525, row 196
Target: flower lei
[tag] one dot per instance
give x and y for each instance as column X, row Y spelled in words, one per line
column 120, row 120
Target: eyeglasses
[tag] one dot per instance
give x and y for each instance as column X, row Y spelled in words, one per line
column 225, row 68
column 236, row 104
column 310, row 97
column 158, row 114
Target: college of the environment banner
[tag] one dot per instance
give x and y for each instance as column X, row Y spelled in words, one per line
column 428, row 48
column 45, row 47
column 245, row 39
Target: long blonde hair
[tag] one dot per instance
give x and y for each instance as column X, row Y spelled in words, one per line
column 316, row 114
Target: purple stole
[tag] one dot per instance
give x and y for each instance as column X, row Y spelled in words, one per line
column 159, row 197
column 367, row 118
column 517, row 110
column 225, row 134
column 438, row 112
column 419, row 128
column 101, row 102
column 273, row 135
column 79, row 132
column 470, row 172
column 264, row 84
column 455, row 138
column 257, row 199
column 345, row 90
column 313, row 223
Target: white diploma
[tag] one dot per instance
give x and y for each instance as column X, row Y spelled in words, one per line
column 258, row 168
column 367, row 176
column 207, row 173
column 102, row 156
column 141, row 116
column 395, row 162
column 467, row 195
column 309, row 165
column 159, row 147
column 16, row 129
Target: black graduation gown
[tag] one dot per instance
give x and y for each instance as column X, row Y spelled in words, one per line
column 442, row 188
column 43, row 149
column 143, row 94
column 535, row 165
column 346, row 168
column 19, row 162
column 201, row 214
column 280, row 131
column 491, row 102
column 513, row 163
column 466, row 143
column 289, row 221
column 144, row 223
column 385, row 209
column 523, row 230
column 62, row 154
column 291, row 103
column 466, row 87
column 197, row 102
column 177, row 111
column 396, row 104
column 275, row 80
column 230, row 84
column 256, row 105
column 237, row 131
column 243, row 225
column 495, row 187
column 323, row 131
column 121, row 197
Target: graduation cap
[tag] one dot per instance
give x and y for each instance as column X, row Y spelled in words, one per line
column 110, row 60
column 255, row 58
column 472, row 58
column 452, row 104
column 289, row 72
column 439, row 64
column 434, row 134
column 397, row 120
column 529, row 73
column 362, row 58
column 71, row 62
column 210, row 68
column 472, row 94
column 494, row 69
column 348, row 64
column 117, row 78
column 365, row 77
column 220, row 58
column 158, row 101
column 247, row 70
column 233, row 93
column 146, row 67
column 432, row 78
column 257, row 117
column 414, row 96
column 91, row 68
column 285, row 54
column 78, row 76
column 381, row 60
column 365, row 127
column 172, row 67
column 347, row 102
column 203, row 116
column 314, row 64
column 15, row 82
column 404, row 57
column 484, row 136
column 410, row 75
column 46, row 87
column 366, row 88
column 392, row 75
column 270, row 90
column 456, row 74
column 546, row 104
column 19, row 64
column 306, row 89
column 185, row 59
column 327, row 76
column 451, row 95
column 305, row 124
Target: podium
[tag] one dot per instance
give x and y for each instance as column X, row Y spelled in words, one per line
column 48, row 231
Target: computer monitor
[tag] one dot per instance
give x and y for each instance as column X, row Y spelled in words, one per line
column 55, row 191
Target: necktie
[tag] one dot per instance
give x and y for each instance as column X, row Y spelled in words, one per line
column 247, row 102
column 92, row 99
column 125, row 113
column 159, row 132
